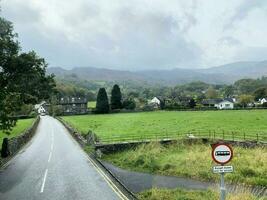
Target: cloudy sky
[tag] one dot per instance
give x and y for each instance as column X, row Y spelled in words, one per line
column 141, row 34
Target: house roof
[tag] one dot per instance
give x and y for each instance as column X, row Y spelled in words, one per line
column 216, row 101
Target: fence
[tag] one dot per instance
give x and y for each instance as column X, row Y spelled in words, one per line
column 211, row 134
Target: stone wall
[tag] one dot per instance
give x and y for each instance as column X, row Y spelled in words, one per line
column 16, row 143
column 79, row 138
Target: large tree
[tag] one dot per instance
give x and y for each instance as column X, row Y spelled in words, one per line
column 102, row 105
column 23, row 78
column 116, row 101
column 211, row 93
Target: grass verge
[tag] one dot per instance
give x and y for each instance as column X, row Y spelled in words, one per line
column 193, row 161
column 20, row 127
column 180, row 194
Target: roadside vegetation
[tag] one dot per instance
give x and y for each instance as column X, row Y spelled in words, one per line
column 193, row 161
column 167, row 123
column 180, row 194
column 20, row 127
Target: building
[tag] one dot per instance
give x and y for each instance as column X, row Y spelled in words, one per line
column 156, row 102
column 42, row 107
column 73, row 105
column 227, row 103
column 263, row 100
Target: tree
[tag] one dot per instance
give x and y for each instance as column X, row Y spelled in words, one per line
column 245, row 99
column 192, row 103
column 23, row 78
column 102, row 105
column 129, row 104
column 228, row 91
column 260, row 93
column 211, row 93
column 116, row 98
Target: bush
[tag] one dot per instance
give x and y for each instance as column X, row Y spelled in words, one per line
column 129, row 104
column 5, row 150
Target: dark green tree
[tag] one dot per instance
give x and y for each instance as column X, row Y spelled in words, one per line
column 129, row 104
column 23, row 78
column 116, row 102
column 260, row 93
column 192, row 103
column 102, row 105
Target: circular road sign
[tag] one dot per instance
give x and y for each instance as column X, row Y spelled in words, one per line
column 222, row 153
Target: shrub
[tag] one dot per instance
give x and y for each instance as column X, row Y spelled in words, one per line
column 5, row 150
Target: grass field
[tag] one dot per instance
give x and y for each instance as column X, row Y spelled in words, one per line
column 91, row 104
column 21, row 126
column 219, row 123
column 179, row 194
column 193, row 161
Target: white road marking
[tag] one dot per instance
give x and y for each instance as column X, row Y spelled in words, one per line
column 43, row 184
column 50, row 155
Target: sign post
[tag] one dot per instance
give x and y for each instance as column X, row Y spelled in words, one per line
column 222, row 154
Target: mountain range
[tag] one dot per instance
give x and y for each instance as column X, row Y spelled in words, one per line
column 223, row 74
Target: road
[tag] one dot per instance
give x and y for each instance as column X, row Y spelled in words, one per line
column 52, row 166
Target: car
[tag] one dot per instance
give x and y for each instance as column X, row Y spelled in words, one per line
column 43, row 114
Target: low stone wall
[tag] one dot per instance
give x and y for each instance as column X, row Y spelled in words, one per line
column 82, row 141
column 112, row 148
column 16, row 143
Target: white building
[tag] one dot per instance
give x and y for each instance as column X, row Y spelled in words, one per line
column 225, row 104
column 40, row 108
column 155, row 102
column 263, row 100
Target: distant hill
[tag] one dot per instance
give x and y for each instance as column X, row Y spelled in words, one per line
column 216, row 75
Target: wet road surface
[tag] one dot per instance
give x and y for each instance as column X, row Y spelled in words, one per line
column 53, row 166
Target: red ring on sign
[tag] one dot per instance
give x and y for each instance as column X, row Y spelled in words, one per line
column 212, row 153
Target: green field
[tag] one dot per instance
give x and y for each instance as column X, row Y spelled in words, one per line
column 240, row 124
column 193, row 161
column 91, row 104
column 21, row 126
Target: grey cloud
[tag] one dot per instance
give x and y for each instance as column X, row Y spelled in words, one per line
column 230, row 41
column 132, row 34
column 242, row 11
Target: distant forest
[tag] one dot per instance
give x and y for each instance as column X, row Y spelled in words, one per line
column 73, row 86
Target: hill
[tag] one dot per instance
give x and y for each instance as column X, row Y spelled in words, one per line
column 223, row 74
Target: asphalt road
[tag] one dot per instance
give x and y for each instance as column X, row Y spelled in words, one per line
column 52, row 166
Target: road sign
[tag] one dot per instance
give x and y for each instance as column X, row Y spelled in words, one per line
column 222, row 169
column 222, row 153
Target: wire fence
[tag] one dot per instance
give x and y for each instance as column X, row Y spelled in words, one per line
column 259, row 136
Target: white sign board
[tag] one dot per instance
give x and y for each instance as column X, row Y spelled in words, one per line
column 222, row 153
column 222, row 169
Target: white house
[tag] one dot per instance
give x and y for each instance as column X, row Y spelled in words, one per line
column 155, row 102
column 263, row 100
column 225, row 104
column 40, row 108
